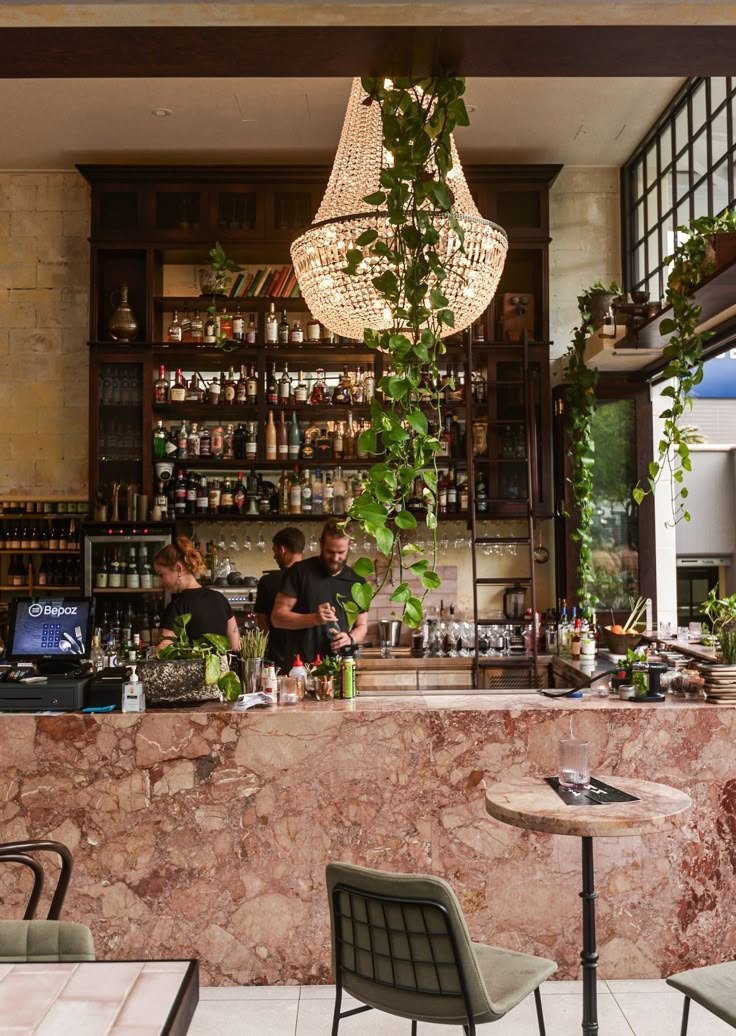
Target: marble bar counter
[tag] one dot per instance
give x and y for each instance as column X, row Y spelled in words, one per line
column 205, row 832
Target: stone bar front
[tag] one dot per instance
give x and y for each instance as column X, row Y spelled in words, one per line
column 206, row 832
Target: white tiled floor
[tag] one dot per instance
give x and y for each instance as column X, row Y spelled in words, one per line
column 625, row 1008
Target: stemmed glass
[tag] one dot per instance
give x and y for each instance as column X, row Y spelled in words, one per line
column 261, row 541
column 221, row 540
column 247, row 542
column 233, row 545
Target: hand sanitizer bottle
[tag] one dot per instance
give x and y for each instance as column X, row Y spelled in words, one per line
column 134, row 700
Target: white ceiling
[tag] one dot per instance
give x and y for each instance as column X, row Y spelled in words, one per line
column 53, row 123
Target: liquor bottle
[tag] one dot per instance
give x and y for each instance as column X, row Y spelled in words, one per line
column 192, row 492
column 451, row 492
column 272, row 387
column 174, row 333
column 180, row 494
column 296, row 334
column 178, row 391
column 226, row 496
column 251, row 389
column 217, row 447
column 342, row 393
column 271, row 438
column 193, row 441
column 132, row 577
column 442, row 493
column 205, row 442
column 271, row 330
column 295, row 438
column 284, row 493
column 282, row 439
column 457, row 447
column 313, row 330
column 319, row 396
column 444, row 438
column 239, row 495
column 195, row 392
column 97, row 656
column 213, row 391
column 228, row 387
column 224, row 324
column 251, row 440
column 481, row 495
column 348, row 441
column 306, row 492
column 102, row 572
column 186, row 326
column 463, row 495
column 238, row 326
column 159, row 441
column 145, row 571
column 115, row 575
column 197, row 327
column 215, row 494
column 317, row 492
column 251, row 332
column 295, row 492
column 210, row 330
column 161, row 387
column 328, row 494
column 181, row 441
column 63, row 536
column 356, row 392
column 338, row 492
column 369, row 384
column 300, row 390
column 285, row 387
column 159, row 501
column 241, row 387
column 227, row 443
column 283, row 329
column 203, row 497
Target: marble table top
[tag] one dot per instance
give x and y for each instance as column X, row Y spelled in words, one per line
column 98, row 998
column 531, row 803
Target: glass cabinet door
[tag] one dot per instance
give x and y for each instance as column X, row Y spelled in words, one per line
column 179, row 211
column 238, row 212
column 119, row 440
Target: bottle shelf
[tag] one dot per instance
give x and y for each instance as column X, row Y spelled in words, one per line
column 65, row 552
column 237, row 352
column 36, row 588
column 165, row 303
column 230, row 413
column 126, row 590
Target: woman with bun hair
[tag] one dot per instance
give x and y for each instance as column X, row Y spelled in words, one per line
column 178, row 567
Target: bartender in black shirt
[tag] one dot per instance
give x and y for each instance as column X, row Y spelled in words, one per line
column 288, row 549
column 307, row 603
column 177, row 567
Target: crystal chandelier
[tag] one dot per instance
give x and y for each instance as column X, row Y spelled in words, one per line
column 349, row 303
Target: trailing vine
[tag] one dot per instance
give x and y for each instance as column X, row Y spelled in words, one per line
column 418, row 117
column 582, row 405
column 221, row 266
column 692, row 260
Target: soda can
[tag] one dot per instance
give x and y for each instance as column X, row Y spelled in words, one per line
column 348, row 677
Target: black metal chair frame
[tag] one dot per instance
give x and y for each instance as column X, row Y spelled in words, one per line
column 402, row 901
column 17, row 852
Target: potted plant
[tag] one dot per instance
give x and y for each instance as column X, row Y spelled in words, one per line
column 213, row 281
column 189, row 670
column 324, row 673
column 253, row 643
column 721, row 614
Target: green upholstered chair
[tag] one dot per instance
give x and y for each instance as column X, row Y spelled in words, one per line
column 50, row 940
column 713, row 987
column 25, row 942
column 400, row 944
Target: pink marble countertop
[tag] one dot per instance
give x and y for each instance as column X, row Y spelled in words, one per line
column 533, row 804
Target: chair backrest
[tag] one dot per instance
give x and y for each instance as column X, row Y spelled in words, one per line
column 17, row 852
column 400, row 941
column 23, row 942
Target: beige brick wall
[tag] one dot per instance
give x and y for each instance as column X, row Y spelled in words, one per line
column 44, row 297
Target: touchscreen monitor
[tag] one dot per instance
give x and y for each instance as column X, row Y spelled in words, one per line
column 50, row 628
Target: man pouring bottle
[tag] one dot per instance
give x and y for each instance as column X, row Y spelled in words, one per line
column 307, row 606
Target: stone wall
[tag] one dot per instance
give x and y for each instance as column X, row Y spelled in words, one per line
column 44, row 292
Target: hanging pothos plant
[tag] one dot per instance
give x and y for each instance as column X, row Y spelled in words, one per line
column 693, row 260
column 220, row 266
column 581, row 402
column 418, row 117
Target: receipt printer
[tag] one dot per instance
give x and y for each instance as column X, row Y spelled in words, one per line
column 43, row 694
column 106, row 688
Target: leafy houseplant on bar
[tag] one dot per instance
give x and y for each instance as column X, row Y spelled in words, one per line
column 187, row 670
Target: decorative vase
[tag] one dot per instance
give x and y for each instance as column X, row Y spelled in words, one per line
column 600, row 303
column 122, row 325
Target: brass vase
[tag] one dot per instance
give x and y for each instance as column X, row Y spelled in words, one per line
column 122, row 325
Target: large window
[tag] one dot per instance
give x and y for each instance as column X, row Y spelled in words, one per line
column 683, row 169
column 615, row 527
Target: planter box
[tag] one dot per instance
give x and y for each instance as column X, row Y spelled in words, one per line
column 176, row 682
column 724, row 247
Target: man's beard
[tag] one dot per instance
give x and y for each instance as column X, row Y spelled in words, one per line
column 334, row 567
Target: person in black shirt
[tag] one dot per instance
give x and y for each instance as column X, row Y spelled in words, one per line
column 288, row 548
column 307, row 603
column 177, row 567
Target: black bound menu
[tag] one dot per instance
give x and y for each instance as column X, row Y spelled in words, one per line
column 595, row 794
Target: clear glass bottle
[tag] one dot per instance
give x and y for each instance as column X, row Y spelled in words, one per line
column 283, row 329
column 174, row 334
column 271, row 330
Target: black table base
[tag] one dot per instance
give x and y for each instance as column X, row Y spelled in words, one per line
column 589, row 956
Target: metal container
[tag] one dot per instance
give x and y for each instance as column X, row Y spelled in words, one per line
column 389, row 631
column 514, row 601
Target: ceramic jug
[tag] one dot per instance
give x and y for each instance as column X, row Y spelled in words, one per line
column 122, row 325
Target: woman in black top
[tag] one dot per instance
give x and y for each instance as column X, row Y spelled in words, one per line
column 178, row 567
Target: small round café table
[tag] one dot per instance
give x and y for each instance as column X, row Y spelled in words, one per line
column 531, row 803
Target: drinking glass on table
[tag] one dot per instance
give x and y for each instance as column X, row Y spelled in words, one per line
column 574, row 769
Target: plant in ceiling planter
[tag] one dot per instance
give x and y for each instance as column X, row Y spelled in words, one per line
column 692, row 261
column 581, row 408
column 412, row 270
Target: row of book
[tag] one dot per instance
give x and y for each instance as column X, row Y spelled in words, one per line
column 268, row 282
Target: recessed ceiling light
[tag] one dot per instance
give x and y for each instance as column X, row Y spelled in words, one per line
column 161, row 113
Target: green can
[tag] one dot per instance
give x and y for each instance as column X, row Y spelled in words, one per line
column 348, row 677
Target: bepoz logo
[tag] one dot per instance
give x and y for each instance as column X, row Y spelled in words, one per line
column 54, row 611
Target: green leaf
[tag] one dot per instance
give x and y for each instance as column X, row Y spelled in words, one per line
column 367, row 237
column 362, row 594
column 211, row 669
column 419, row 567
column 412, row 612
column 406, row 520
column 401, row 594
column 219, row 643
column 638, row 495
column 229, row 684
column 431, row 581
column 418, row 421
column 377, row 198
column 351, row 611
column 364, row 567
column 384, row 540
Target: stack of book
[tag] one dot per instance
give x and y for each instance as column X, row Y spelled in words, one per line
column 266, row 282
